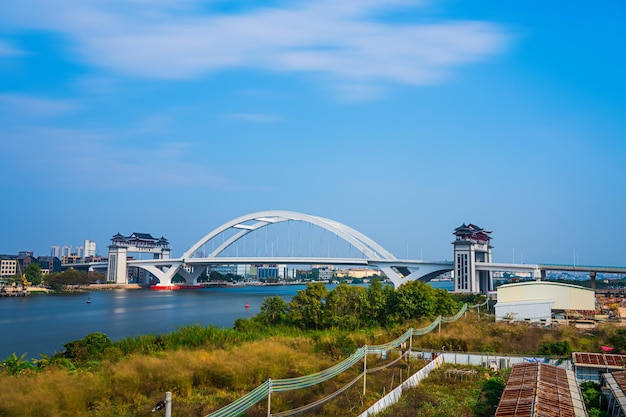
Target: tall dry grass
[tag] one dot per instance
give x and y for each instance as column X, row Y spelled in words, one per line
column 220, row 368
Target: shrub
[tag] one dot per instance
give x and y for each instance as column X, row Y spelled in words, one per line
column 91, row 347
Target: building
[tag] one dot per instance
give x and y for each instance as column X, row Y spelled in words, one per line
column 324, row 274
column 49, row 264
column 538, row 389
column 540, row 300
column 591, row 366
column 358, row 273
column 471, row 246
column 89, row 249
column 8, row 266
column 614, row 385
column 121, row 246
column 233, row 269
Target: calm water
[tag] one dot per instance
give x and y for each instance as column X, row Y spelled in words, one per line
column 42, row 324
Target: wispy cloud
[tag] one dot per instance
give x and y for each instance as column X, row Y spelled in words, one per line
column 32, row 106
column 344, row 41
column 6, row 49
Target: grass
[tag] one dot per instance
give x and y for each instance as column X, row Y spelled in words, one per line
column 206, row 368
column 442, row 396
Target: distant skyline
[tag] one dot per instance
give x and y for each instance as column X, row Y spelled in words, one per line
column 402, row 119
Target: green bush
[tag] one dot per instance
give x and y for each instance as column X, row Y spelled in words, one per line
column 559, row 348
column 91, row 347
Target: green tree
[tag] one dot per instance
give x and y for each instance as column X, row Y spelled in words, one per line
column 70, row 277
column 414, row 300
column 490, row 397
column 91, row 347
column 344, row 307
column 445, row 302
column 376, row 306
column 559, row 348
column 306, row 308
column 33, row 273
column 594, row 399
column 618, row 340
column 273, row 310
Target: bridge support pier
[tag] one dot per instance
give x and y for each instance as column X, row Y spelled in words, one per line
column 592, row 275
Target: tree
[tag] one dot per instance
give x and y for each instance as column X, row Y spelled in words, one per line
column 273, row 310
column 90, row 348
column 414, row 300
column 69, row 277
column 344, row 307
column 618, row 340
column 306, row 308
column 377, row 303
column 33, row 273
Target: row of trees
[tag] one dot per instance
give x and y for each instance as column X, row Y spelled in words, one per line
column 349, row 307
column 57, row 281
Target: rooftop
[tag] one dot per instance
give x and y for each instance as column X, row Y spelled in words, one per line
column 599, row 360
column 536, row 389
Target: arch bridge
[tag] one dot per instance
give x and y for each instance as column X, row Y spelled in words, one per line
column 236, row 234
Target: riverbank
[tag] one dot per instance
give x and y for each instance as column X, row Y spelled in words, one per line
column 100, row 287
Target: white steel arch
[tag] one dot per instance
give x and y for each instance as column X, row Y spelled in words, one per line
column 396, row 270
column 365, row 245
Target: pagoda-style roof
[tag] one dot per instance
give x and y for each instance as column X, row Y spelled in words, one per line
column 472, row 232
column 142, row 236
column 140, row 239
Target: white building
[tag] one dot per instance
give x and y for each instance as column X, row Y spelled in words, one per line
column 535, row 300
column 471, row 246
column 89, row 248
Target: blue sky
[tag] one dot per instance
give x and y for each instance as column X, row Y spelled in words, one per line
column 401, row 118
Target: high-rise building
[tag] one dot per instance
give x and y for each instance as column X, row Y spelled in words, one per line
column 90, row 248
column 55, row 251
column 471, row 246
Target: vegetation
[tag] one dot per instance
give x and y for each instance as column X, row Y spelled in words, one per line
column 444, row 395
column 33, row 273
column 72, row 279
column 349, row 307
column 594, row 399
column 209, row 367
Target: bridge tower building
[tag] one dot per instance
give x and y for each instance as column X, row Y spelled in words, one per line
column 121, row 246
column 471, row 246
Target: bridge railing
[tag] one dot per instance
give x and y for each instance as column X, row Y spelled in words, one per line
column 266, row 389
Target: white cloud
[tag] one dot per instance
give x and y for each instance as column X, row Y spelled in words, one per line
column 341, row 40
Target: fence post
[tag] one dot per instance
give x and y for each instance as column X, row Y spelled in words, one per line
column 269, row 397
column 168, row 404
column 410, row 353
column 364, row 370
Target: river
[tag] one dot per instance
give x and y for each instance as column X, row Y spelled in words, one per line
column 42, row 324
